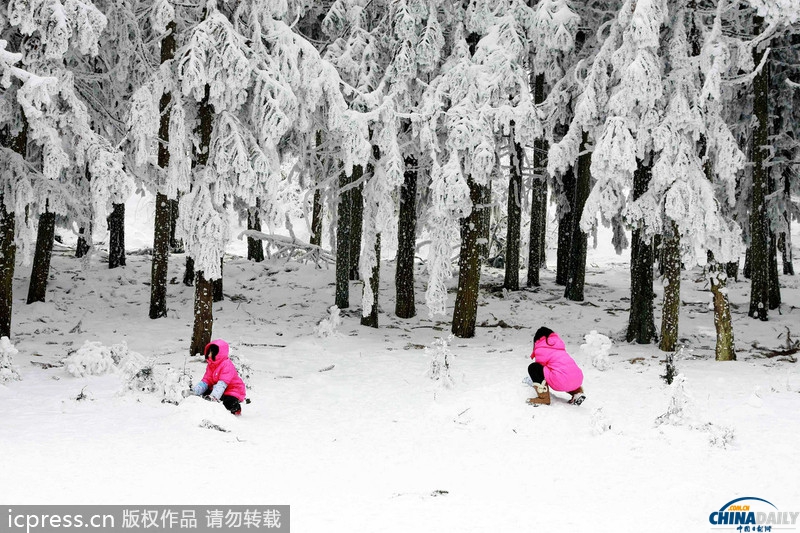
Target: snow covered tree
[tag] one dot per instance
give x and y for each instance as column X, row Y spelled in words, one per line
column 52, row 38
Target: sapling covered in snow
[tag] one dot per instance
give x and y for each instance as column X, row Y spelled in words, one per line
column 329, row 326
column 173, row 384
column 8, row 371
column 439, row 370
column 597, row 348
column 91, row 359
column 680, row 404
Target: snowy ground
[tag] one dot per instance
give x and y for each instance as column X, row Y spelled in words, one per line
column 372, row 444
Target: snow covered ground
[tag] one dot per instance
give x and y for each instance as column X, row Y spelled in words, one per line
column 350, row 432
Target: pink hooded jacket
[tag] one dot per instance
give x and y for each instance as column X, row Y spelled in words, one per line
column 222, row 369
column 560, row 370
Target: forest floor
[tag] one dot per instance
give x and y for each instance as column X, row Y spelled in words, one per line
column 350, row 431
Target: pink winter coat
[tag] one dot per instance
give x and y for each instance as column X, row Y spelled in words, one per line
column 560, row 370
column 222, row 369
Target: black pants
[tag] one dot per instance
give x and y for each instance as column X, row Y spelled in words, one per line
column 536, row 372
column 231, row 403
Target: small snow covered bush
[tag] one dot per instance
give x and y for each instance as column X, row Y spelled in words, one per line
column 8, row 372
column 599, row 422
column 597, row 348
column 173, row 385
column 243, row 366
column 91, row 359
column 679, row 403
column 440, row 355
column 328, row 326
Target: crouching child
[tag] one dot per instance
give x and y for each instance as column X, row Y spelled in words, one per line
column 221, row 381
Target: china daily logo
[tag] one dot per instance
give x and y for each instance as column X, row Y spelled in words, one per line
column 750, row 514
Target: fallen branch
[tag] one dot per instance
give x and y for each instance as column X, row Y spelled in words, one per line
column 291, row 247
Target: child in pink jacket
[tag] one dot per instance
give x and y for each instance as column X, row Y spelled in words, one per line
column 553, row 366
column 221, row 382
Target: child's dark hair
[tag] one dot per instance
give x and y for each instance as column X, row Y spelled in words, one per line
column 542, row 332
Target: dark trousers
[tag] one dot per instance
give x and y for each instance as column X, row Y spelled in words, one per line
column 536, row 372
column 231, row 403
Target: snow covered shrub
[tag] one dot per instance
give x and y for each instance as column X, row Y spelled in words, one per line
column 91, row 359
column 243, row 366
column 679, row 403
column 328, row 326
column 8, row 372
column 173, row 384
column 599, row 422
column 669, row 370
column 718, row 436
column 596, row 349
column 440, row 355
column 137, row 370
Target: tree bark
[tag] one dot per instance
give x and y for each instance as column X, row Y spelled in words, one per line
column 82, row 247
column 405, row 306
column 163, row 218
column 641, row 323
column 576, row 274
column 204, row 289
column 759, row 226
column 175, row 244
column 469, row 274
column 41, row 258
column 371, row 320
column 511, row 280
column 671, row 262
column 203, row 315
column 188, row 272
column 785, row 240
column 357, row 214
column 217, row 284
column 536, row 244
column 255, row 248
column 565, row 227
column 116, row 239
column 316, row 219
column 8, row 247
column 724, row 350
column 343, row 248
column 485, row 234
column 8, row 254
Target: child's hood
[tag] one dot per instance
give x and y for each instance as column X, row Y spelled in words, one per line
column 223, row 351
column 552, row 341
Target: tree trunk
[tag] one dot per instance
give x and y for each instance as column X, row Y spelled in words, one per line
column 485, row 234
column 203, row 315
column 204, row 289
column 8, row 254
column 785, row 241
column 8, row 247
column 774, row 281
column 511, row 281
column 82, row 248
column 188, row 272
column 371, row 319
column 536, row 241
column 759, row 226
column 722, row 314
column 746, row 269
column 316, row 216
column 469, row 268
column 41, row 257
column 175, row 244
column 565, row 227
column 159, row 268
column 671, row 262
column 217, row 283
column 116, row 240
column 316, row 220
column 357, row 219
column 163, row 218
column 343, row 248
column 641, row 323
column 405, row 306
column 732, row 270
column 255, row 248
column 576, row 274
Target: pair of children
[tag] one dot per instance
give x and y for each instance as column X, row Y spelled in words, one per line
column 221, row 381
column 553, row 367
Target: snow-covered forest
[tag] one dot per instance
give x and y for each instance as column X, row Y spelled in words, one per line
column 377, row 203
